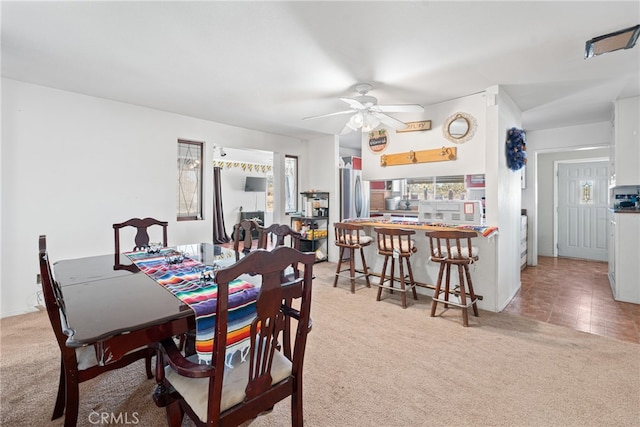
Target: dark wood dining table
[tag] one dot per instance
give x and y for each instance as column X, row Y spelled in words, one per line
column 124, row 307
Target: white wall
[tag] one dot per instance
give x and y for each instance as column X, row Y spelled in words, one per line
column 324, row 176
column 536, row 196
column 350, row 152
column 471, row 154
column 503, row 191
column 72, row 165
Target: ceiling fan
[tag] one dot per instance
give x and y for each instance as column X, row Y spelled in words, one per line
column 367, row 114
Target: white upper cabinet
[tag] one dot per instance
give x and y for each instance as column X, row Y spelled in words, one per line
column 626, row 143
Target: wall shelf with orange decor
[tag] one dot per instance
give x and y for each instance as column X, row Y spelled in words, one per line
column 443, row 154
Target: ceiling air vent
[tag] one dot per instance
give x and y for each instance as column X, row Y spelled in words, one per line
column 623, row 39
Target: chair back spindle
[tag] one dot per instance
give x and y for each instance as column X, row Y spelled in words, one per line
column 283, row 235
column 242, row 232
column 141, row 240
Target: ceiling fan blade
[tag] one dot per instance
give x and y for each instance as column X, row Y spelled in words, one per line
column 353, row 103
column 329, row 115
column 404, row 108
column 390, row 121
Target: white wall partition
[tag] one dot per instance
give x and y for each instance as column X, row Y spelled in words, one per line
column 503, row 193
column 72, row 165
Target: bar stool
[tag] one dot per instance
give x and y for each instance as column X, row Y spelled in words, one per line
column 396, row 243
column 453, row 247
column 348, row 238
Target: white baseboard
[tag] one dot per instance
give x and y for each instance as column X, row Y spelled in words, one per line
column 19, row 312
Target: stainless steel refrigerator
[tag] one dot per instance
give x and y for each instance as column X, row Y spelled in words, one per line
column 354, row 194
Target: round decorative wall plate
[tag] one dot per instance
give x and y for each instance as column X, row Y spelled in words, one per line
column 378, row 140
column 459, row 128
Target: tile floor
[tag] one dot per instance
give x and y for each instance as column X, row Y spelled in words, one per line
column 575, row 293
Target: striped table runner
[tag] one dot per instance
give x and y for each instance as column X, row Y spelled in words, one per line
column 183, row 281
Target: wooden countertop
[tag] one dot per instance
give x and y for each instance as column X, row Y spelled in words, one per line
column 627, row 211
column 395, row 211
column 483, row 230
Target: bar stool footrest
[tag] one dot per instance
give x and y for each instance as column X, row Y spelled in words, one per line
column 456, row 304
column 357, row 276
column 407, row 287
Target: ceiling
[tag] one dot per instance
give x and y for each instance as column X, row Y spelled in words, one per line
column 267, row 65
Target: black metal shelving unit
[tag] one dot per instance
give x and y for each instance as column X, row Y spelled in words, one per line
column 313, row 224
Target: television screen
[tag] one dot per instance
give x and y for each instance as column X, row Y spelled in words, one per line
column 255, row 183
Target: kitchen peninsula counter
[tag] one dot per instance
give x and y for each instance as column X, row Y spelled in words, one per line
column 484, row 272
column 624, row 252
column 483, row 230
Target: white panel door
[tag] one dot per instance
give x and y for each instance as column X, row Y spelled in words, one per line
column 583, row 210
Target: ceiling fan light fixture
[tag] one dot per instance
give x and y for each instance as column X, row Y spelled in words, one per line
column 623, row 39
column 363, row 120
column 356, row 121
column 370, row 123
column 367, row 115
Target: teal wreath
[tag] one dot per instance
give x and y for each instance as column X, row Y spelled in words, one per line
column 516, row 149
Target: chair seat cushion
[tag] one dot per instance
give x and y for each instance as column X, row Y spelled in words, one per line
column 464, row 252
column 195, row 391
column 86, row 357
column 350, row 239
column 405, row 246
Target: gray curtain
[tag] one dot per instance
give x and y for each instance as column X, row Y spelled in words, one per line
column 219, row 232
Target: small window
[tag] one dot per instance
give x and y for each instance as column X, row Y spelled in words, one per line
column 291, row 183
column 189, row 180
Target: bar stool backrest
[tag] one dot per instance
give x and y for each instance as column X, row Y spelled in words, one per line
column 398, row 240
column 452, row 246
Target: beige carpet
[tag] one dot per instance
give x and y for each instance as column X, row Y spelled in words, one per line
column 374, row 364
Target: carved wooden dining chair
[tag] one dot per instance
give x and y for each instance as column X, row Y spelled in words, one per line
column 242, row 232
column 274, row 236
column 214, row 395
column 141, row 239
column 279, row 235
column 77, row 364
